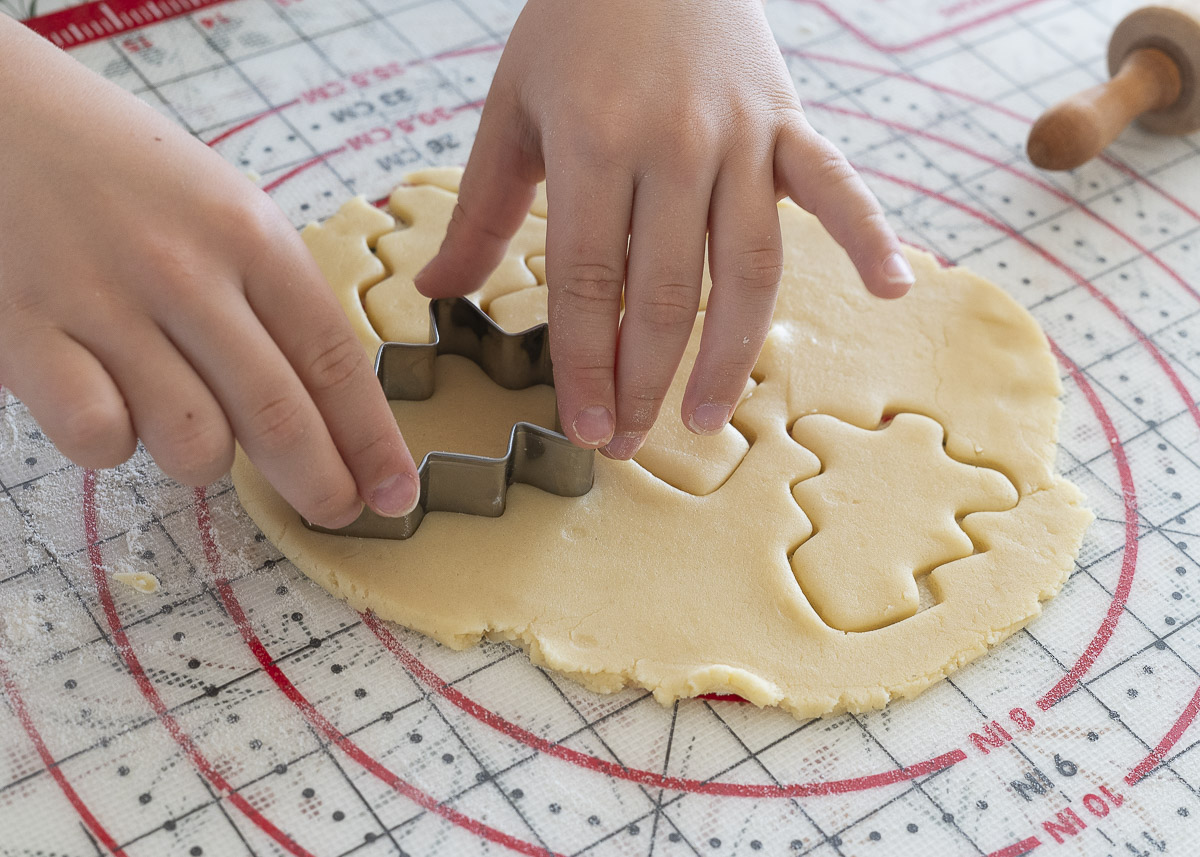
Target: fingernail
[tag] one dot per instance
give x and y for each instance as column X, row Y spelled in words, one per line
column 594, row 425
column 898, row 271
column 624, row 446
column 395, row 496
column 709, row 418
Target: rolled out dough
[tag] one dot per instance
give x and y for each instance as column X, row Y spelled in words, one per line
column 928, row 470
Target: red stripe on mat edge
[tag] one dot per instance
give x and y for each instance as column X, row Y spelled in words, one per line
column 147, row 688
column 1169, row 740
column 489, row 718
column 318, row 720
column 55, row 22
column 26, row 719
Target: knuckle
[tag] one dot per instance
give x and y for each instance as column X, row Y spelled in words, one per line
column 278, row 424
column 591, row 283
column 833, row 169
column 201, row 452
column 670, row 307
column 95, row 435
column 336, row 363
column 461, row 221
column 329, row 505
column 757, row 269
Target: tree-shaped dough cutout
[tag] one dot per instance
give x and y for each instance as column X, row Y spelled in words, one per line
column 885, row 509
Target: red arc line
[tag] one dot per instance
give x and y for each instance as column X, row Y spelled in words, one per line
column 26, row 720
column 990, row 106
column 150, row 692
column 320, row 722
column 867, row 40
column 1129, row 563
column 1148, row 764
column 647, row 778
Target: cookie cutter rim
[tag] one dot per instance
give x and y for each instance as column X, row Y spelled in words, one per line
column 475, row 484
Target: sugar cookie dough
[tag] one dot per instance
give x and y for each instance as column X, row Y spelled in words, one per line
column 917, row 437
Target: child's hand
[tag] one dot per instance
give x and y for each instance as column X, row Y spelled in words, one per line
column 653, row 122
column 148, row 290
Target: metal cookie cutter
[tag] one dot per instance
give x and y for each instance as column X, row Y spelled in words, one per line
column 475, row 484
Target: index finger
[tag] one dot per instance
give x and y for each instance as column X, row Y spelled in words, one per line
column 820, row 179
column 300, row 312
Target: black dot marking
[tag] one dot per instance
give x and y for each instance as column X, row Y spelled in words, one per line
column 948, row 817
column 338, row 815
column 1131, row 692
column 1148, row 670
column 911, row 828
column 517, row 794
column 755, row 845
column 144, row 798
column 593, row 820
column 281, row 768
column 336, row 669
column 1183, row 812
column 1178, row 596
column 267, row 149
column 211, row 691
column 714, row 842
column 874, row 836
column 31, row 461
column 69, row 684
column 297, row 616
column 1170, row 620
column 281, row 590
column 481, row 777
column 1092, row 736
column 178, row 636
column 634, row 830
column 360, row 692
column 169, row 825
column 982, row 804
column 1160, row 645
column 835, row 840
column 447, row 758
column 1170, row 470
column 674, row 837
column 308, row 793
column 1175, row 495
column 255, row 744
column 122, row 771
column 368, row 837
column 416, row 738
column 193, row 664
column 1114, row 715
column 195, row 851
column 1180, row 570
column 555, row 808
column 314, row 643
column 304, row 206
column 796, row 845
column 386, row 717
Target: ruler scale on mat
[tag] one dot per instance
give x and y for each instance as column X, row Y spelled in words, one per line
column 241, row 710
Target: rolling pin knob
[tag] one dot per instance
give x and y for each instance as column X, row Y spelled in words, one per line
column 1154, row 60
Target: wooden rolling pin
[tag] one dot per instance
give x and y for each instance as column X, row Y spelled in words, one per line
column 1154, row 60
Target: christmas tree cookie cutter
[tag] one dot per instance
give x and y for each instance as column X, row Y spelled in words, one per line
column 475, row 484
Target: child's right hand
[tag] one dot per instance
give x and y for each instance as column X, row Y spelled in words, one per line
column 148, row 290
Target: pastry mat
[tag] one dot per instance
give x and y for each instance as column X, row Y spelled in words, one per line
column 241, row 710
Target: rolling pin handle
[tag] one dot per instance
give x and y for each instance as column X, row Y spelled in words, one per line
column 1074, row 131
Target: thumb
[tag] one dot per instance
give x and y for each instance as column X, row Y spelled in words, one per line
column 497, row 188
